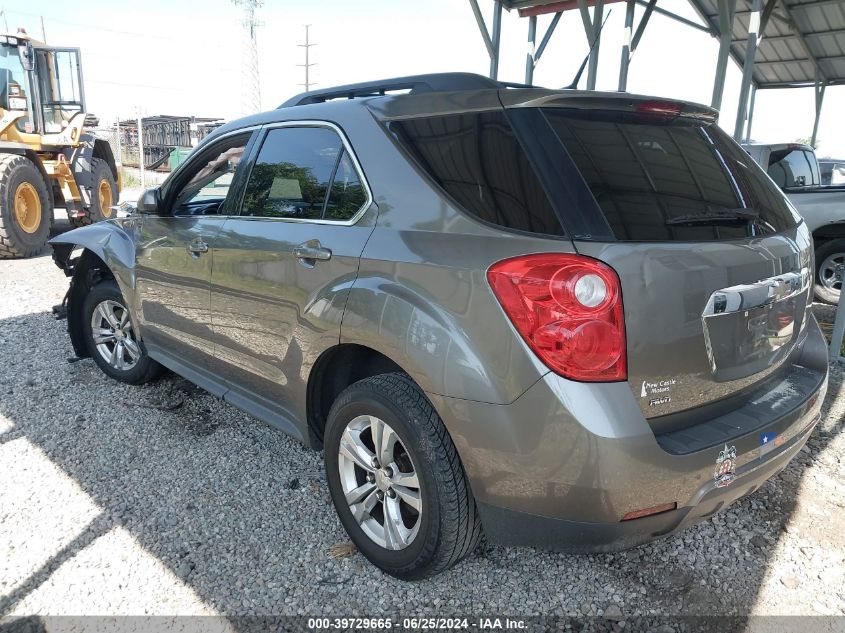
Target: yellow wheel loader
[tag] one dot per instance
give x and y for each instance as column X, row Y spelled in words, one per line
column 46, row 158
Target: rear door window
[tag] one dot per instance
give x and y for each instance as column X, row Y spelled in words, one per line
column 478, row 161
column 669, row 181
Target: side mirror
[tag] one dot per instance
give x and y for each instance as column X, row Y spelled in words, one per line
column 27, row 56
column 150, row 202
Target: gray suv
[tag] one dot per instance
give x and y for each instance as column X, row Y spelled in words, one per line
column 567, row 319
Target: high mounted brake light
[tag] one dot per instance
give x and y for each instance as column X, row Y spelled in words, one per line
column 660, row 110
column 568, row 308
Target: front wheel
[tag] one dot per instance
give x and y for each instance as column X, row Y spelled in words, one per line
column 830, row 271
column 111, row 337
column 396, row 479
column 103, row 195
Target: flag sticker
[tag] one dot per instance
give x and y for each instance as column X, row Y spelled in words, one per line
column 768, row 442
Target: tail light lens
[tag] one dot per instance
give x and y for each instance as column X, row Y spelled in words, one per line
column 568, row 308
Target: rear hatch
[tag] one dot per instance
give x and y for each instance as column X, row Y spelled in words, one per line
column 713, row 261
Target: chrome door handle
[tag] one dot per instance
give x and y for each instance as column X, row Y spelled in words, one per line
column 309, row 251
column 197, row 247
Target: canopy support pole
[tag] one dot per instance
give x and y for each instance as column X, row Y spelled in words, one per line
column 626, row 46
column 530, row 59
column 727, row 12
column 751, row 113
column 534, row 57
column 748, row 68
column 497, row 38
column 491, row 44
column 591, row 27
column 819, row 90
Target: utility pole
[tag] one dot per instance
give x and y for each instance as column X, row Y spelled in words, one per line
column 250, row 80
column 307, row 65
column 5, row 19
column 141, row 147
column 43, row 34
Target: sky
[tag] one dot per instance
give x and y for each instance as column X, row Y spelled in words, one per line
column 184, row 58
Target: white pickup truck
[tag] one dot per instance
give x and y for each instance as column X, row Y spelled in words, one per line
column 795, row 169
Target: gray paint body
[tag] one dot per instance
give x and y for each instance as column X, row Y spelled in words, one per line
column 248, row 321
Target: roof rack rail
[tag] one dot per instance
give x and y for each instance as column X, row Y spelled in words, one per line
column 435, row 82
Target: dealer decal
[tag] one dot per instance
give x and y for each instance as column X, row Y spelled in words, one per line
column 725, row 467
column 658, row 392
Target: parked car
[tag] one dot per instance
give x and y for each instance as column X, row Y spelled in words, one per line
column 832, row 171
column 569, row 319
column 794, row 169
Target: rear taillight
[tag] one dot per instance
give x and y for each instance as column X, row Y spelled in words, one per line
column 568, row 308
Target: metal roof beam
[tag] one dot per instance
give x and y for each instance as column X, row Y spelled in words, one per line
column 796, row 60
column 482, row 26
column 802, row 41
column 650, row 6
column 792, row 36
column 547, row 36
column 678, row 18
column 816, row 3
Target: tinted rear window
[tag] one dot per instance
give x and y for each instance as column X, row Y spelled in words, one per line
column 478, row 161
column 678, row 181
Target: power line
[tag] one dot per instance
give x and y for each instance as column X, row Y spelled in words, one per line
column 91, row 27
column 307, row 65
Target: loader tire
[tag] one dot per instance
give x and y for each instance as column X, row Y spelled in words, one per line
column 103, row 195
column 25, row 208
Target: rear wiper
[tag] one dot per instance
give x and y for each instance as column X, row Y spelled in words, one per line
column 715, row 217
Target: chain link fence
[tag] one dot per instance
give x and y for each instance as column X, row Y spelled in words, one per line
column 165, row 142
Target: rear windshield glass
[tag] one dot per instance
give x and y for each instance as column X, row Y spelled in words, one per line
column 670, row 181
column 477, row 160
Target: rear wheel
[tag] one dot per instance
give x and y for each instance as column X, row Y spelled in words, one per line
column 830, row 271
column 25, row 207
column 103, row 195
column 396, row 479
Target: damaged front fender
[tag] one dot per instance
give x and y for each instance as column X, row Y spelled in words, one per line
column 88, row 255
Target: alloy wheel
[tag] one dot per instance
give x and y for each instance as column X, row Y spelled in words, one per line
column 380, row 482
column 113, row 336
column 831, row 271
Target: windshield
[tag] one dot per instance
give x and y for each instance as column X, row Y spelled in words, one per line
column 14, row 87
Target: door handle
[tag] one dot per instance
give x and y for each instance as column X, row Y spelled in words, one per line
column 197, row 247
column 312, row 251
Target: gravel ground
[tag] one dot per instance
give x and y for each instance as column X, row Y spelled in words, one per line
column 164, row 500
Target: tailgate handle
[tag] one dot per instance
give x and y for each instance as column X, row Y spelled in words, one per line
column 748, row 296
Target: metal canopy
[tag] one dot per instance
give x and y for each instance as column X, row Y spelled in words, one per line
column 803, row 41
column 776, row 43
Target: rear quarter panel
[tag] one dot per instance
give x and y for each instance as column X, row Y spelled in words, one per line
column 422, row 297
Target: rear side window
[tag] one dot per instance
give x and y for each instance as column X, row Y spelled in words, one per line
column 792, row 168
column 669, row 181
column 478, row 161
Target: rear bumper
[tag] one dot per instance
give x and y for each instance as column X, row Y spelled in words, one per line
column 510, row 527
column 562, row 465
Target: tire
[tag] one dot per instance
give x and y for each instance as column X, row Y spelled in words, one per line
column 103, row 195
column 135, row 368
column 447, row 526
column 828, row 286
column 25, row 208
